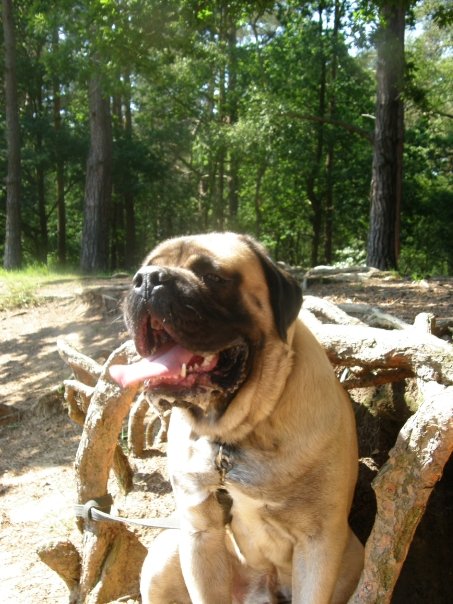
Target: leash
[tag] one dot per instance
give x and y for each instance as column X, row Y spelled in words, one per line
column 99, row 509
column 94, row 510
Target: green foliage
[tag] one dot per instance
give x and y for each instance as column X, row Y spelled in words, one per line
column 351, row 255
column 228, row 115
column 427, row 246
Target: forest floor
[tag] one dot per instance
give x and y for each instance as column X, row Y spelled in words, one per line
column 38, row 442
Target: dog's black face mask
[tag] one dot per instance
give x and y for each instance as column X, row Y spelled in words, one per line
column 202, row 312
column 191, row 329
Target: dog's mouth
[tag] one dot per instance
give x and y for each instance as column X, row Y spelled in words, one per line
column 169, row 367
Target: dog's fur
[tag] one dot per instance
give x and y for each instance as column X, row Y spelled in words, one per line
column 273, row 523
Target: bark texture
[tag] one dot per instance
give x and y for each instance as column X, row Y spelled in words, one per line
column 111, row 556
column 98, row 186
column 13, row 250
column 59, row 165
column 386, row 183
column 424, row 444
column 403, row 487
column 423, row 355
column 63, row 558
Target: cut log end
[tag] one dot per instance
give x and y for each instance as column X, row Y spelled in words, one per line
column 63, row 558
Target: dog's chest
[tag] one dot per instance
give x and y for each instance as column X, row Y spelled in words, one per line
column 199, row 467
column 261, row 538
column 259, row 533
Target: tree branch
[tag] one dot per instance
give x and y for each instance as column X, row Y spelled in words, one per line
column 369, row 136
column 403, row 487
column 428, row 357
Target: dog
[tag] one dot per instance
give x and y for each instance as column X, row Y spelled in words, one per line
column 262, row 449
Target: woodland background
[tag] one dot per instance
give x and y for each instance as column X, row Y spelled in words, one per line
column 125, row 122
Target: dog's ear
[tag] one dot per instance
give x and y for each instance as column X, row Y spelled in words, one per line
column 285, row 292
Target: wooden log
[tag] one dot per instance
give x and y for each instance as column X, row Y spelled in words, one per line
column 123, row 471
column 78, row 397
column 373, row 316
column 111, row 555
column 142, row 435
column 136, row 426
column 333, row 313
column 349, row 313
column 428, row 357
column 402, row 488
column 368, row 379
column 331, row 274
column 157, row 429
column 85, row 369
column 326, row 269
column 64, row 559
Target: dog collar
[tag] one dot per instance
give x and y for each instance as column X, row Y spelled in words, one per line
column 224, row 461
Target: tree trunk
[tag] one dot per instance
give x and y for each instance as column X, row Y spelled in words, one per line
column 130, row 231
column 262, row 167
column 61, row 207
column 129, row 200
column 98, row 188
column 313, row 184
column 233, row 179
column 386, row 183
column 13, row 249
column 330, row 160
column 117, row 209
column 43, row 241
column 219, row 195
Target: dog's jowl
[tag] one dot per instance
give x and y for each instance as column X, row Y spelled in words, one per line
column 262, row 450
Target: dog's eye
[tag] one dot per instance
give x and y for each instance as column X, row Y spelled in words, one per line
column 212, row 278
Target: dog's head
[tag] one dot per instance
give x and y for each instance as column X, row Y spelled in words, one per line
column 202, row 311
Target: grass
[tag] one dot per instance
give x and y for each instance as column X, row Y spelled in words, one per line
column 20, row 289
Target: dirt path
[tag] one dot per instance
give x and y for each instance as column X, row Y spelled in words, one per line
column 37, row 452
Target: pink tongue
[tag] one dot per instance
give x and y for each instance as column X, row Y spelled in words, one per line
column 167, row 363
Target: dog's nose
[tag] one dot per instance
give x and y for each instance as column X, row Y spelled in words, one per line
column 149, row 277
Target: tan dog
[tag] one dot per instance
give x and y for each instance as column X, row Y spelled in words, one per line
column 262, row 447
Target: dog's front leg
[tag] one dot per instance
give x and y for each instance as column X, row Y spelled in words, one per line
column 205, row 560
column 316, row 567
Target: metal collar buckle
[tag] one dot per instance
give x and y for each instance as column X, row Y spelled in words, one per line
column 223, row 462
